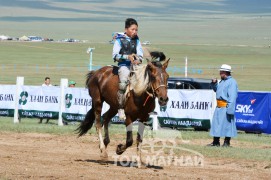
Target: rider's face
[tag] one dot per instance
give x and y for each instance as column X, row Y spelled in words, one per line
column 131, row 31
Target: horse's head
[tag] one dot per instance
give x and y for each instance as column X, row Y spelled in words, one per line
column 158, row 80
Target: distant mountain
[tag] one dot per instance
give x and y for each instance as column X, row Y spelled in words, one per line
column 106, row 10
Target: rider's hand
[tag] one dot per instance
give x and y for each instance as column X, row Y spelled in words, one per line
column 134, row 59
column 131, row 57
column 136, row 62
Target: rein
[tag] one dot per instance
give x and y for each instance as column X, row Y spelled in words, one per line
column 152, row 95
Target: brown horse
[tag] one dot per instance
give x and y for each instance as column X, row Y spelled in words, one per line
column 147, row 82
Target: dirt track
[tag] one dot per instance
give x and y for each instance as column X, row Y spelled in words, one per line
column 45, row 156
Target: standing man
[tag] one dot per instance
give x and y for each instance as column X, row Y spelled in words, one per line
column 47, row 82
column 223, row 123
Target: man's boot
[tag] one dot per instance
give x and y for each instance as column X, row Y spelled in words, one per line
column 215, row 143
column 226, row 142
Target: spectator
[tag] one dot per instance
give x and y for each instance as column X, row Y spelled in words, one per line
column 47, row 82
column 72, row 83
column 223, row 123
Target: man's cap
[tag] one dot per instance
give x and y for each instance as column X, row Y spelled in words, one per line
column 225, row 67
column 72, row 82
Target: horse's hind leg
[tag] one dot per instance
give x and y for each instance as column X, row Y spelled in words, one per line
column 107, row 117
column 98, row 110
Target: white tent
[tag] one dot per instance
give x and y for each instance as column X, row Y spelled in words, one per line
column 24, row 38
column 3, row 37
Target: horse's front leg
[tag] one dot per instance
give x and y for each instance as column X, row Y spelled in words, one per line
column 129, row 137
column 103, row 155
column 139, row 141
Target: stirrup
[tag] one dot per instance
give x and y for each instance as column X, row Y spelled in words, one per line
column 121, row 114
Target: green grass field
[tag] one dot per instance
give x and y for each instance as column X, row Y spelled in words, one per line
column 205, row 32
column 248, row 146
column 34, row 61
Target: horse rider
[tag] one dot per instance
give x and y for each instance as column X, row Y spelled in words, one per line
column 127, row 50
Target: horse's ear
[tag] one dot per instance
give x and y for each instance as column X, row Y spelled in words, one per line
column 166, row 64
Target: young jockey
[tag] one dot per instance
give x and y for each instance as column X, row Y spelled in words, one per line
column 127, row 49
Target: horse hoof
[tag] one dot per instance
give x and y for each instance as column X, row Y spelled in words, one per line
column 120, row 149
column 104, row 155
column 104, row 160
column 141, row 165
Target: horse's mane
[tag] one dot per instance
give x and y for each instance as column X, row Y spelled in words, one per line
column 139, row 81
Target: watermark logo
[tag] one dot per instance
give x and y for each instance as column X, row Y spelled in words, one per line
column 165, row 147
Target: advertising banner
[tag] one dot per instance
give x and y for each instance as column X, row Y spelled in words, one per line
column 39, row 101
column 187, row 108
column 77, row 104
column 7, row 98
column 253, row 112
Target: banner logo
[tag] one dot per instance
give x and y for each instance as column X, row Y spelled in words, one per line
column 245, row 109
column 68, row 100
column 23, row 98
column 252, row 101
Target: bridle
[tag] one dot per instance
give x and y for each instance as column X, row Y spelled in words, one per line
column 155, row 89
column 153, row 93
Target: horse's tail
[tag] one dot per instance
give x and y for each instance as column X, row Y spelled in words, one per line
column 87, row 123
column 90, row 116
column 88, row 76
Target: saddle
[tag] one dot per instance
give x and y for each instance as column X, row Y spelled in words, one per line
column 115, row 69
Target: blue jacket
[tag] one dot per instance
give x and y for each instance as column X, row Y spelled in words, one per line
column 223, row 122
column 227, row 90
column 122, row 57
